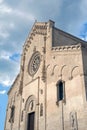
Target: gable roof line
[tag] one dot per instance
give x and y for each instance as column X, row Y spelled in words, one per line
column 70, row 35
column 13, row 84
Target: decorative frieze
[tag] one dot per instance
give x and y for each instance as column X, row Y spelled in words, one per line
column 67, row 48
column 41, row 29
column 37, row 29
column 44, row 72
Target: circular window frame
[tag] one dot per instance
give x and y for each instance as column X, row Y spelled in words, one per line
column 32, row 70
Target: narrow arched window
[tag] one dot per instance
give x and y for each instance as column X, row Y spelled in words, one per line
column 60, row 91
column 12, row 114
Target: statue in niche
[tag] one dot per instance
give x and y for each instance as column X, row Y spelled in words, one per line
column 31, row 105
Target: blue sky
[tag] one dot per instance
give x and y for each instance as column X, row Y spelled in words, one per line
column 16, row 20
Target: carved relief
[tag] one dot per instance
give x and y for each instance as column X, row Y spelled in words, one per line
column 67, row 48
column 41, row 29
column 41, row 109
column 34, row 63
column 31, row 105
column 73, row 121
column 34, row 50
column 44, row 72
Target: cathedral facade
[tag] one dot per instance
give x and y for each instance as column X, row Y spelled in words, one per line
column 50, row 91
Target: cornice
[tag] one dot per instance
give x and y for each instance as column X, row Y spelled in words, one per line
column 67, row 48
column 38, row 28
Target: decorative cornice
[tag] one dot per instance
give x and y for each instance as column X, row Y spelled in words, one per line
column 41, row 29
column 67, row 48
column 38, row 28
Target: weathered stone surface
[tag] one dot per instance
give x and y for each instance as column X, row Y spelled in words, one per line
column 62, row 58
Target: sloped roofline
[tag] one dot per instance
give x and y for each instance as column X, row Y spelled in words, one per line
column 13, row 84
column 75, row 38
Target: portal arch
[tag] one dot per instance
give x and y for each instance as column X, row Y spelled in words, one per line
column 30, row 113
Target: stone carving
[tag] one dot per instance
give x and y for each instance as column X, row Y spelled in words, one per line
column 34, row 63
column 73, row 121
column 67, row 48
column 41, row 29
column 41, row 109
column 44, row 72
column 31, row 105
column 34, row 50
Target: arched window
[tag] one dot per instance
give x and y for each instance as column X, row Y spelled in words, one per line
column 12, row 114
column 60, row 90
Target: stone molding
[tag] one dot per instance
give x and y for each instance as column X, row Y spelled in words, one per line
column 67, row 48
column 38, row 28
column 52, row 71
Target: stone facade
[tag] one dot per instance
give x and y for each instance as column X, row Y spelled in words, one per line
column 50, row 92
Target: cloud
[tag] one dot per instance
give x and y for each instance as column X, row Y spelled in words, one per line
column 4, row 34
column 3, row 92
column 1, row 1
column 23, row 15
column 9, row 68
column 17, row 18
column 5, row 9
column 83, row 32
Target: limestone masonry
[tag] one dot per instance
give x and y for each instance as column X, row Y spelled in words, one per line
column 50, row 91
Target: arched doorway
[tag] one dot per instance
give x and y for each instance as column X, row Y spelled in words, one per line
column 31, row 121
column 30, row 113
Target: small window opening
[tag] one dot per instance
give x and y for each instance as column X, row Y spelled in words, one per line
column 60, row 91
column 12, row 114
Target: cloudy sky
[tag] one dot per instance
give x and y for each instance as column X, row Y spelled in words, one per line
column 16, row 20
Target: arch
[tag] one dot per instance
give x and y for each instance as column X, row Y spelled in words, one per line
column 62, row 68
column 60, row 90
column 47, row 66
column 30, row 100
column 72, row 71
column 29, row 109
column 60, row 81
column 54, row 69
